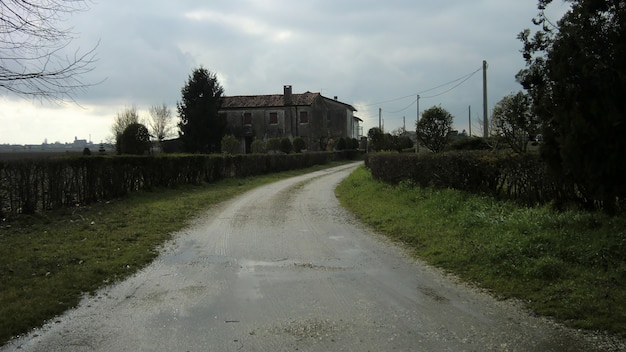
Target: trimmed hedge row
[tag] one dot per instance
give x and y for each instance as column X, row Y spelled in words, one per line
column 28, row 186
column 523, row 178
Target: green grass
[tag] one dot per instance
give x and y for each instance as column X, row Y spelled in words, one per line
column 567, row 265
column 49, row 261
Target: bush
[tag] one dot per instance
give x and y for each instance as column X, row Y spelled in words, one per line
column 401, row 143
column 258, row 147
column 135, row 140
column 341, row 144
column 470, row 143
column 230, row 144
column 299, row 145
column 285, row 145
column 273, row 145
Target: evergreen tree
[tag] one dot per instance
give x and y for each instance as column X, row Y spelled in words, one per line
column 201, row 128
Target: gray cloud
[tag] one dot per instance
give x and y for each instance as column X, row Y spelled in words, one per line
column 362, row 51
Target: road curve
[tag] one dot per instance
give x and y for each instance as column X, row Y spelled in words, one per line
column 285, row 268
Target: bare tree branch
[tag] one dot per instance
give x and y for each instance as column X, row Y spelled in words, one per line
column 160, row 122
column 33, row 58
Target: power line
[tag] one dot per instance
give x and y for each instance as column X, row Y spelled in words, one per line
column 463, row 79
column 434, row 96
column 447, row 91
column 401, row 110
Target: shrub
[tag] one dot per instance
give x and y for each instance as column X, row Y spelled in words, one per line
column 258, row 147
column 230, row 144
column 341, row 144
column 273, row 144
column 402, row 142
column 135, row 140
column 470, row 143
column 285, row 145
column 299, row 145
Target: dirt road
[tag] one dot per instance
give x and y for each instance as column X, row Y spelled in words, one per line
column 285, row 268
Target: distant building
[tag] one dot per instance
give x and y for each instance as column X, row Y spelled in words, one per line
column 311, row 116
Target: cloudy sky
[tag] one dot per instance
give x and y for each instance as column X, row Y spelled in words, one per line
column 370, row 53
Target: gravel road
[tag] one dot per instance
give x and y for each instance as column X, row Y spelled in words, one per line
column 285, row 268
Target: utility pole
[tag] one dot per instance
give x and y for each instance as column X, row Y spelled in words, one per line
column 470, row 120
column 485, row 117
column 418, row 109
column 380, row 118
column 417, row 140
column 403, row 123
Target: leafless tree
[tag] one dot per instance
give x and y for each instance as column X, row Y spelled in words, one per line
column 160, row 122
column 124, row 119
column 33, row 49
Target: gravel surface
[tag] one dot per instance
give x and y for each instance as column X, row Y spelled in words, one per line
column 285, row 268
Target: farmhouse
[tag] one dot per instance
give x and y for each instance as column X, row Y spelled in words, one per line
column 311, row 116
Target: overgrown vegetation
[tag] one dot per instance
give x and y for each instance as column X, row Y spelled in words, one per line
column 567, row 265
column 47, row 261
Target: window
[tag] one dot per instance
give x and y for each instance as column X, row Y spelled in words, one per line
column 304, row 117
column 247, row 118
column 273, row 118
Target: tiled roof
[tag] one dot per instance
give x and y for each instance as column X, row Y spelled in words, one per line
column 273, row 100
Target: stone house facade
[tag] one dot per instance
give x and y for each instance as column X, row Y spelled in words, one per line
column 311, row 116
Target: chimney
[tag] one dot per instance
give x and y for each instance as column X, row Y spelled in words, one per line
column 335, row 97
column 287, row 99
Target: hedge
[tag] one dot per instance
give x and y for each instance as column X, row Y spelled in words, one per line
column 31, row 185
column 520, row 177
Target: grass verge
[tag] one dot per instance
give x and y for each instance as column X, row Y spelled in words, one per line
column 567, row 265
column 48, row 261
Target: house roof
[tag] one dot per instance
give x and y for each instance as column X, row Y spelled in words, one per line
column 272, row 100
